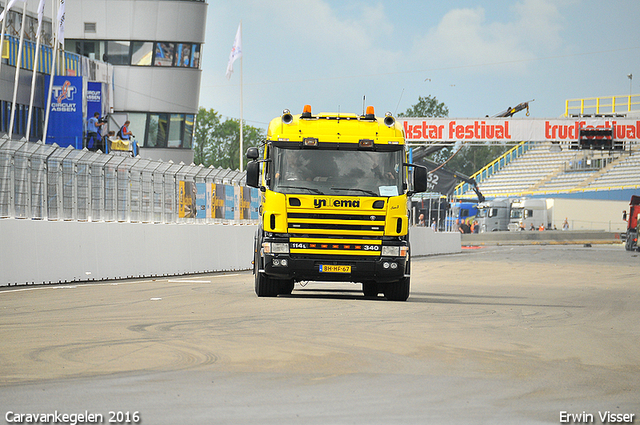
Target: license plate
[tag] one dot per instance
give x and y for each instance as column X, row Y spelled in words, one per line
column 328, row 268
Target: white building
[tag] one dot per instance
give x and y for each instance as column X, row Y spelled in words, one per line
column 156, row 48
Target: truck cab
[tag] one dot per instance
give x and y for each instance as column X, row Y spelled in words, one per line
column 334, row 190
column 494, row 215
column 530, row 213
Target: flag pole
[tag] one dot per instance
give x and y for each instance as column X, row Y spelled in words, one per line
column 18, row 66
column 35, row 67
column 56, row 36
column 241, row 109
column 236, row 52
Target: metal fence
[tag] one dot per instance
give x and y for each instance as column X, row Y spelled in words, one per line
column 47, row 182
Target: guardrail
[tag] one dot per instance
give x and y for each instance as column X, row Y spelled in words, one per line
column 47, row 182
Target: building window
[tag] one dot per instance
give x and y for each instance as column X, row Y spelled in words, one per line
column 187, row 136
column 165, row 53
column 175, row 131
column 138, row 126
column 118, row 52
column 90, row 27
column 157, row 133
column 138, row 53
column 92, row 49
column 141, row 53
column 162, row 130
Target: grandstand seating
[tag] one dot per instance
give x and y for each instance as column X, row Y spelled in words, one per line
column 539, row 170
column 624, row 173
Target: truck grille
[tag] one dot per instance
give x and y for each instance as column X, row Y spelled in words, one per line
column 351, row 234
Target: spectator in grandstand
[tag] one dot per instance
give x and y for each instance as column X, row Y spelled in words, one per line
column 421, row 220
column 541, row 228
column 433, row 226
column 521, row 228
column 565, row 224
column 532, row 227
column 476, row 227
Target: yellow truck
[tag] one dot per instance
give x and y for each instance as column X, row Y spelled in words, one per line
column 334, row 189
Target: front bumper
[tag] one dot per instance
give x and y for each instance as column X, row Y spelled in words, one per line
column 362, row 269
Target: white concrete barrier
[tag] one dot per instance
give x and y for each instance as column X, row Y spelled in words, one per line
column 37, row 251
column 424, row 241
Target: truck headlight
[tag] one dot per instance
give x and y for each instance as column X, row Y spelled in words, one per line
column 390, row 251
column 394, row 251
column 275, row 248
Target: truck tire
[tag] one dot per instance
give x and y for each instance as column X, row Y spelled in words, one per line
column 398, row 291
column 629, row 243
column 265, row 286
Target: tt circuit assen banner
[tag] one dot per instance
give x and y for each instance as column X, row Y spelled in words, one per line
column 513, row 129
column 65, row 116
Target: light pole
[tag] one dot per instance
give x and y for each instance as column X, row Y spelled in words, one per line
column 630, row 77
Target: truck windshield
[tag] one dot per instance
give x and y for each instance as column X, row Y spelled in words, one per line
column 516, row 213
column 337, row 172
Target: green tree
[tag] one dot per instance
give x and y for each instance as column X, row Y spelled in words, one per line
column 207, row 121
column 426, row 107
column 217, row 142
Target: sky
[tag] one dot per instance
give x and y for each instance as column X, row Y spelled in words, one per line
column 477, row 57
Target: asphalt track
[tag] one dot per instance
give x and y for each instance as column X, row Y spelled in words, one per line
column 495, row 335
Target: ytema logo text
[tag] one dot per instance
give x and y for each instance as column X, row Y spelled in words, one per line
column 336, row 203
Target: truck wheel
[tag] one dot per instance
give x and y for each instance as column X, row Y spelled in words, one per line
column 629, row 245
column 265, row 286
column 398, row 291
column 370, row 289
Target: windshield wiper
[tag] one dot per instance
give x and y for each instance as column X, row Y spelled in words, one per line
column 353, row 188
column 310, row 189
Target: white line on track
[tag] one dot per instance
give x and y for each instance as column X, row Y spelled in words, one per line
column 113, row 283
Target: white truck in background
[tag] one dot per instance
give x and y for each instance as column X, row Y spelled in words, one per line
column 527, row 213
column 494, row 215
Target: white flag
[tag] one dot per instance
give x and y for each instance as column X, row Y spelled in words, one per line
column 61, row 23
column 236, row 51
column 8, row 7
column 40, row 15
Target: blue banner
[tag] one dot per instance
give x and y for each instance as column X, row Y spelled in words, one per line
column 65, row 117
column 94, row 98
column 255, row 204
column 201, row 200
column 229, row 202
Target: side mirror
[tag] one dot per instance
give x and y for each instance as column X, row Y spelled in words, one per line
column 419, row 179
column 253, row 173
column 253, row 153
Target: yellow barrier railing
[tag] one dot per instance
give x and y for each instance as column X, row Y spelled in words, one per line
column 603, row 105
column 493, row 167
column 525, row 193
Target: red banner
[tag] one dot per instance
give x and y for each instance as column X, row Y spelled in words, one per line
column 513, row 130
